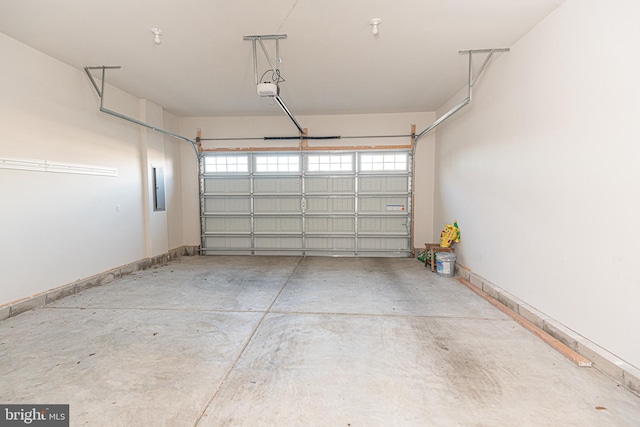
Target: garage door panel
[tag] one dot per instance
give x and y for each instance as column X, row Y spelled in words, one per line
column 278, row 242
column 383, row 244
column 277, row 225
column 384, row 184
column 276, row 205
column 226, row 186
column 227, row 205
column 330, row 243
column 228, row 224
column 383, row 225
column 330, row 185
column 330, row 205
column 277, row 185
column 227, row 242
column 330, row 225
column 387, row 205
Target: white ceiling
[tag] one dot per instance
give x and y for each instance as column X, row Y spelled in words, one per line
column 332, row 63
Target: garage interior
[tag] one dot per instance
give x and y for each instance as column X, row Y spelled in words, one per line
column 212, row 212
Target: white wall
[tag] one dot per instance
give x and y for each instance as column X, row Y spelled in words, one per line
column 542, row 172
column 344, row 125
column 173, row 182
column 56, row 228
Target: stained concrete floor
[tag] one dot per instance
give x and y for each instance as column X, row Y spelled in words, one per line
column 290, row 341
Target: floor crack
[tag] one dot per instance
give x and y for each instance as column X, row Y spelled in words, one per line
column 244, row 347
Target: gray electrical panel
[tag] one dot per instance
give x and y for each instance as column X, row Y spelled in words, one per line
column 158, row 189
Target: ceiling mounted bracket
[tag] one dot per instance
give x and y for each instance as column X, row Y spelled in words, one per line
column 471, row 81
column 259, row 39
column 100, row 91
column 255, row 39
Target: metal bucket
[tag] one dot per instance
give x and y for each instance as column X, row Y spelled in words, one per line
column 445, row 264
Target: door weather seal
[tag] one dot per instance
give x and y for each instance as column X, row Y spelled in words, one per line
column 100, row 91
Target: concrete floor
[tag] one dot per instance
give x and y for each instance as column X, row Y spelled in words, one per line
column 290, row 341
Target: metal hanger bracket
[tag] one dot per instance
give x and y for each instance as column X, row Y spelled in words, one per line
column 472, row 80
column 260, row 39
column 100, row 91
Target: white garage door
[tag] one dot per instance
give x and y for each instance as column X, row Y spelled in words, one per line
column 307, row 203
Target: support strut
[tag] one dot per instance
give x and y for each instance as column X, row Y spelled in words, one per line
column 100, row 91
column 471, row 82
column 259, row 39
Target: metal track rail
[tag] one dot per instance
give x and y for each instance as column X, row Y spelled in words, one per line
column 100, row 91
column 471, row 82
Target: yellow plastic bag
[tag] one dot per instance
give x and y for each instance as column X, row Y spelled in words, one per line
column 450, row 234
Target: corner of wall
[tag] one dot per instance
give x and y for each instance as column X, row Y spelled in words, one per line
column 45, row 298
column 622, row 372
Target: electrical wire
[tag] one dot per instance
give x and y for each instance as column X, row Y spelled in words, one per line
column 276, row 77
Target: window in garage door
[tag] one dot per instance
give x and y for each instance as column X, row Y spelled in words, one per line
column 355, row 203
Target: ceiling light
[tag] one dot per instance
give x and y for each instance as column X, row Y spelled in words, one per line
column 157, row 32
column 374, row 24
